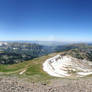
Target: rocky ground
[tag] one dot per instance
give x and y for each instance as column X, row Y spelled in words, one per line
column 12, row 84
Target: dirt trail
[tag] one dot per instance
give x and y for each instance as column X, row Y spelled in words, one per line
column 22, row 72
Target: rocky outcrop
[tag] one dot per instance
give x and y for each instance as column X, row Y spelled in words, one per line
column 67, row 66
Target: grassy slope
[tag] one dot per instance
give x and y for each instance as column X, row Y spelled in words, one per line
column 33, row 69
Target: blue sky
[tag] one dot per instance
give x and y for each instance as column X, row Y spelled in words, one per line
column 60, row 20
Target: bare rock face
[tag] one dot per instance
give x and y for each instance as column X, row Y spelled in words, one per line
column 67, row 66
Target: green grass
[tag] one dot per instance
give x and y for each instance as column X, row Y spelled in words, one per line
column 12, row 68
column 33, row 68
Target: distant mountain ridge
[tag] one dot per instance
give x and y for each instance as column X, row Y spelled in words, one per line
column 46, row 43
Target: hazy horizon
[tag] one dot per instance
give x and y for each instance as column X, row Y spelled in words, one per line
column 53, row 41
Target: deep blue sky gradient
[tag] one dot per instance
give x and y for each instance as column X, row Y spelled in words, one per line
column 61, row 20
